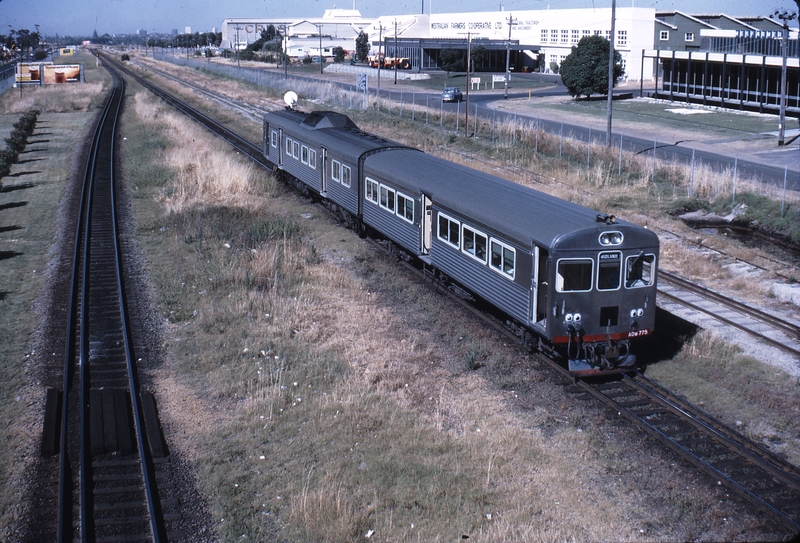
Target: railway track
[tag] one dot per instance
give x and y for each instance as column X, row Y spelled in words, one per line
column 746, row 469
column 770, row 329
column 106, row 452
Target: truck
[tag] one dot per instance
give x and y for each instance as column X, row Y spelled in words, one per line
column 381, row 61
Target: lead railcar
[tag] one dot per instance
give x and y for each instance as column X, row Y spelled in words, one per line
column 577, row 279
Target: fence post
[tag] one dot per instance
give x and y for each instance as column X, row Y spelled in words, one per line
column 619, row 162
column 560, row 139
column 735, row 168
column 655, row 144
column 691, row 177
column 413, row 99
column 783, row 198
column 589, row 147
column 458, row 114
column 475, row 123
column 427, row 99
column 536, row 148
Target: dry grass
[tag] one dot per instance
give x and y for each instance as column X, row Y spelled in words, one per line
column 311, row 410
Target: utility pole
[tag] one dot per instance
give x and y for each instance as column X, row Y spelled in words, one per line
column 469, row 84
column 508, row 57
column 784, row 16
column 380, row 60
column 395, row 52
column 285, row 53
column 238, row 28
column 321, row 61
column 610, row 73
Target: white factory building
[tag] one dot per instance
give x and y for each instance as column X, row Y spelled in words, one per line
column 537, row 37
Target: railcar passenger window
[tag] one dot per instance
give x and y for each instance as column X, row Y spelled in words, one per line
column 304, row 154
column 474, row 243
column 289, row 146
column 405, row 207
column 639, row 270
column 295, row 149
column 372, row 190
column 346, row 176
column 274, row 138
column 574, row 275
column 387, row 198
column 503, row 258
column 336, row 170
column 449, row 230
column 608, row 270
column 312, row 158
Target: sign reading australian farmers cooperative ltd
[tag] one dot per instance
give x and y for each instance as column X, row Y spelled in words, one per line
column 488, row 27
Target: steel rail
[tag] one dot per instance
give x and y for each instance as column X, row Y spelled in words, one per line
column 776, row 322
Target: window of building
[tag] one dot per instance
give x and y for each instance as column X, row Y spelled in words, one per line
column 622, row 37
column 639, row 271
column 274, row 138
column 587, row 33
column 336, row 170
column 574, row 275
column 608, row 35
column 449, row 230
column 503, row 258
column 372, row 190
column 387, row 198
column 664, row 35
column 473, row 243
column 405, row 207
column 346, row 176
column 598, row 32
column 565, row 36
column 609, row 269
column 576, row 36
column 545, row 35
column 690, row 36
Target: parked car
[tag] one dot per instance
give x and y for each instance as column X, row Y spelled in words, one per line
column 452, row 94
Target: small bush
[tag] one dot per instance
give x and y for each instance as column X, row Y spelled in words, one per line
column 17, row 140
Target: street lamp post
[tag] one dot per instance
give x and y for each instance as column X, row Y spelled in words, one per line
column 468, row 83
column 508, row 57
column 321, row 61
column 784, row 16
column 395, row 52
column 610, row 101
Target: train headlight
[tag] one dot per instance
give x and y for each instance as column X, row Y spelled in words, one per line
column 568, row 317
column 633, row 313
column 611, row 238
column 640, row 312
column 577, row 317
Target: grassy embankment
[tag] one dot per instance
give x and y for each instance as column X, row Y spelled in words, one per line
column 28, row 214
column 330, row 396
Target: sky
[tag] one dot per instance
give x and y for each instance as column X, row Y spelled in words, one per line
column 82, row 17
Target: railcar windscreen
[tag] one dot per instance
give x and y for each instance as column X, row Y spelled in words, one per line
column 639, row 270
column 608, row 271
column 574, row 275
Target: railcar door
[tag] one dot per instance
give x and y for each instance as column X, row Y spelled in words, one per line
column 266, row 137
column 324, row 173
column 280, row 147
column 534, row 286
column 426, row 222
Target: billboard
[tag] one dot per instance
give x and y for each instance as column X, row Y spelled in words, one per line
column 29, row 73
column 47, row 73
column 66, row 51
column 62, row 73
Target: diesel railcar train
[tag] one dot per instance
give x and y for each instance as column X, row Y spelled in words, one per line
column 581, row 282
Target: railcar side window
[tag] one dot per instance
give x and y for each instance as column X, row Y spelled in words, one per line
column 405, row 207
column 274, row 136
column 503, row 258
column 609, row 270
column 449, row 230
column 372, row 190
column 336, row 170
column 474, row 243
column 289, row 146
column 296, row 149
column 574, row 275
column 346, row 176
column 387, row 198
column 304, row 154
column 639, row 270
column 312, row 158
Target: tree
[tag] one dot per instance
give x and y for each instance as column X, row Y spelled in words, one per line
column 452, row 60
column 362, row 46
column 585, row 70
column 338, row 54
column 478, row 57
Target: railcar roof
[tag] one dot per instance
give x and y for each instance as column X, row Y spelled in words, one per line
column 335, row 131
column 521, row 212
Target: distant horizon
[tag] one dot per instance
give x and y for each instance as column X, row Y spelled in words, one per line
column 116, row 17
